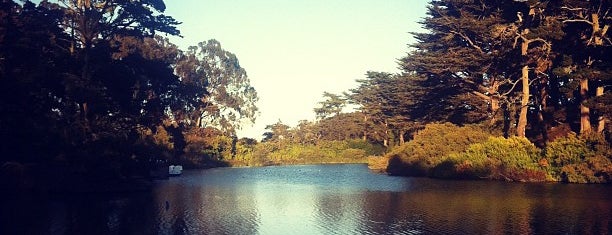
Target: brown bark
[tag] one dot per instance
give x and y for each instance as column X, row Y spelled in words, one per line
column 597, row 38
column 585, row 122
column 522, row 122
column 601, row 124
column 386, row 137
column 494, row 100
column 365, row 127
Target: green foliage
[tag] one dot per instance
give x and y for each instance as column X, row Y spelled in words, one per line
column 206, row 147
column 218, row 72
column 332, row 105
column 449, row 151
column 286, row 152
column 369, row 148
column 431, row 145
column 512, row 159
column 583, row 159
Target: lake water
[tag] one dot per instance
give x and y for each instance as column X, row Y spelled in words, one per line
column 319, row 199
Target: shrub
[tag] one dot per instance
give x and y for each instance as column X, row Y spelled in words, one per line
column 285, row 152
column 377, row 163
column 513, row 159
column 349, row 154
column 463, row 166
column 431, row 145
column 583, row 159
column 369, row 148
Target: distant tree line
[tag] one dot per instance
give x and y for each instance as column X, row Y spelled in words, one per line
column 91, row 89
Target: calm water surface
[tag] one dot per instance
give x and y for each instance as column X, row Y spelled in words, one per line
column 319, row 199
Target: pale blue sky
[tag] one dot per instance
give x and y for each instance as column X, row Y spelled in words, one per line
column 294, row 50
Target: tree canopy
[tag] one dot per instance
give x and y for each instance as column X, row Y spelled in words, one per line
column 94, row 85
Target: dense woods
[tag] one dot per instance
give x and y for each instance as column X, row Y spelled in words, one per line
column 531, row 74
column 92, row 93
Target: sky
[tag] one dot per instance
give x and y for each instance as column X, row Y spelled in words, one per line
column 294, row 50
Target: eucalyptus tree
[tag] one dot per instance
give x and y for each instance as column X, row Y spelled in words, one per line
column 230, row 100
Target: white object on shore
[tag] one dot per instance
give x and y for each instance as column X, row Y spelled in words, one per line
column 175, row 170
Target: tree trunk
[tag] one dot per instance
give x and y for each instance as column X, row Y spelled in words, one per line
column 522, row 122
column 494, row 100
column 401, row 137
column 597, row 38
column 365, row 127
column 601, row 124
column 386, row 136
column 543, row 108
column 507, row 119
column 494, row 109
column 585, row 122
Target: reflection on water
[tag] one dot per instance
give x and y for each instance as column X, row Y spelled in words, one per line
column 318, row 199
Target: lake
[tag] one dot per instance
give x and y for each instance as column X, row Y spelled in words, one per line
column 318, row 199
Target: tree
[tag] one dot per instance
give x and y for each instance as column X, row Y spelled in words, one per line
column 90, row 21
column 32, row 61
column 459, row 61
column 533, row 28
column 588, row 46
column 368, row 97
column 344, row 126
column 276, row 131
column 229, row 98
column 331, row 106
column 389, row 103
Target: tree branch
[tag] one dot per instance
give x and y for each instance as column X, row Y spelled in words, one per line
column 481, row 95
column 465, row 37
column 572, row 9
column 512, row 88
column 582, row 21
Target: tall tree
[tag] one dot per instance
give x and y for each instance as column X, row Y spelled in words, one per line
column 32, row 64
column 588, row 43
column 331, row 106
column 535, row 32
column 230, row 98
column 276, row 131
column 93, row 24
column 391, row 104
column 459, row 59
column 368, row 97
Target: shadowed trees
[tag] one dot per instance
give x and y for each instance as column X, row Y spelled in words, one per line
column 91, row 86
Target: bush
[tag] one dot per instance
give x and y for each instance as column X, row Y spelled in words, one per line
column 369, row 148
column 430, row 146
column 583, row 159
column 285, row 152
column 512, row 159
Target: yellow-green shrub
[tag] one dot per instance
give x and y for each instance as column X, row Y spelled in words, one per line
column 515, row 159
column 583, row 159
column 430, row 146
column 285, row 152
